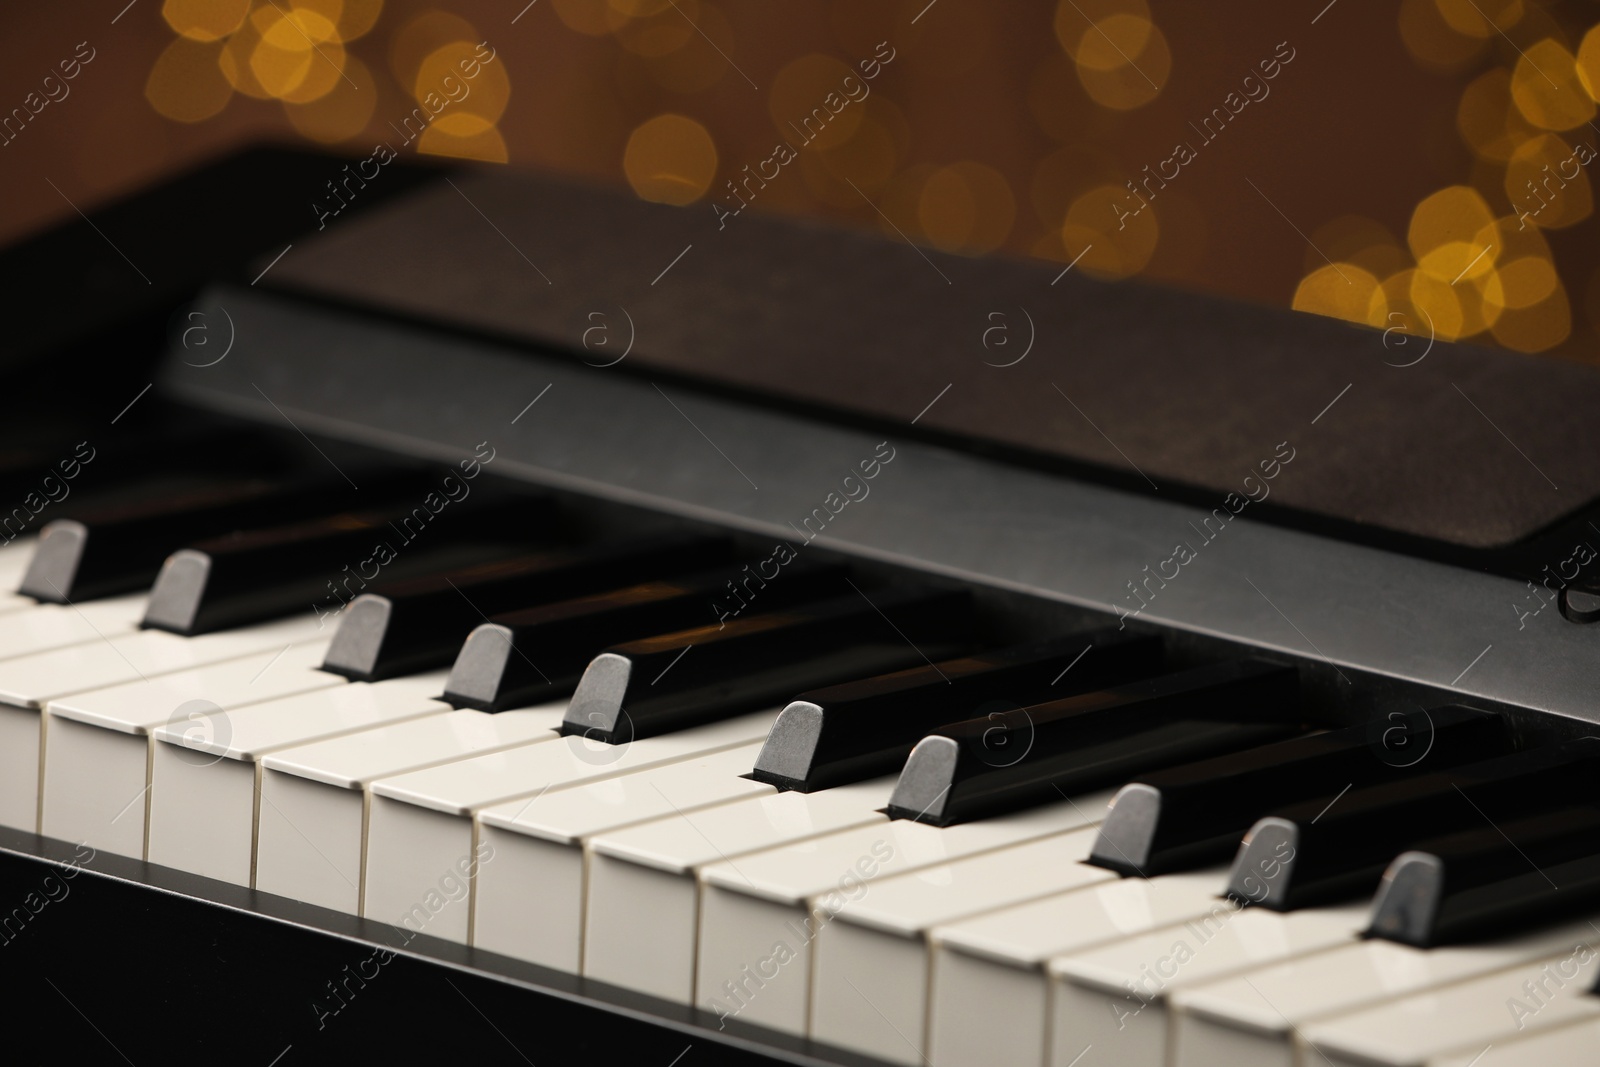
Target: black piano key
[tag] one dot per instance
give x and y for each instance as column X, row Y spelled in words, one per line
column 1490, row 880
column 1194, row 815
column 1336, row 847
column 851, row 732
column 420, row 623
column 539, row 654
column 648, row 687
column 319, row 564
column 1013, row 759
column 119, row 547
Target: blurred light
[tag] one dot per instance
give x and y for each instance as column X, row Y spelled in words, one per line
column 1430, row 39
column 1341, row 291
column 342, row 113
column 702, row 62
column 358, row 18
column 205, row 20
column 1536, row 328
column 1480, row 18
column 1589, row 63
column 1356, row 239
column 486, row 145
column 670, row 159
column 420, row 37
column 1113, row 242
column 1488, row 121
column 809, row 105
column 473, row 104
column 1076, row 18
column 234, row 61
column 185, row 84
column 1547, row 88
column 1546, row 183
column 1124, row 63
column 1443, row 233
column 967, row 207
column 1522, row 283
column 656, row 33
column 1061, row 176
column 595, row 18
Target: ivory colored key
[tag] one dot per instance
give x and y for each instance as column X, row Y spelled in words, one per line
column 1564, row 1046
column 1464, row 1019
column 312, row 821
column 989, row 1001
column 643, row 894
column 97, row 744
column 205, row 775
column 870, row 992
column 1115, row 997
column 421, row 828
column 1252, row 1020
column 528, row 903
column 28, row 683
column 759, row 914
column 47, row 626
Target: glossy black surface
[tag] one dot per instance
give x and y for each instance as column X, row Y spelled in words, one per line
column 1330, row 848
column 671, row 681
column 850, row 732
column 419, row 624
column 538, row 654
column 323, row 563
column 1013, row 759
column 1491, row 880
column 1194, row 815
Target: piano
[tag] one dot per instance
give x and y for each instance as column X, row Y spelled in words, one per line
column 530, row 625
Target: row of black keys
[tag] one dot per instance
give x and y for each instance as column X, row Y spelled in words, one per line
column 687, row 639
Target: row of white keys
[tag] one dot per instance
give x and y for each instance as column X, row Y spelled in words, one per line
column 1467, row 1019
column 759, row 915
column 644, row 891
column 529, row 902
column 990, row 995
column 1254, row 1020
column 1570, row 1045
column 204, row 779
column 421, row 828
column 312, row 821
column 28, row 683
column 872, row 956
column 97, row 743
column 1115, row 998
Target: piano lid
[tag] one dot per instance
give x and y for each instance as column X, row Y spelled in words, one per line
column 1177, row 393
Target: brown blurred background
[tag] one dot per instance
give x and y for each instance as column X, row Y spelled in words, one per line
column 1421, row 165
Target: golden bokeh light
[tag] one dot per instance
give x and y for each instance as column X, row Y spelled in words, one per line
column 1444, row 230
column 357, row 18
column 966, row 207
column 1480, row 18
column 1521, row 283
column 234, row 62
column 1342, row 291
column 186, row 85
column 1115, row 240
column 1488, row 120
column 1365, row 242
column 1588, row 63
column 485, row 146
column 205, row 20
column 1130, row 77
column 658, row 32
column 343, row 112
column 422, row 35
column 670, row 159
column 1431, row 41
column 1548, row 183
column 1537, row 328
column 700, row 63
column 816, row 100
column 1547, row 88
column 472, row 93
column 1075, row 19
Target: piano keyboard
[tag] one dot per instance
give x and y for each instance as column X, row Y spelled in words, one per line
column 855, row 814
column 574, row 743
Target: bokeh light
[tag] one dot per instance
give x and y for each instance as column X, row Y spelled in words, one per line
column 670, row 159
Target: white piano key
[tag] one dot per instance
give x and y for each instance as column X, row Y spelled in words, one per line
column 528, row 903
column 990, row 996
column 421, row 830
column 312, row 822
column 42, row 627
column 1115, row 997
column 870, row 990
column 97, row 744
column 643, row 894
column 204, row 774
column 1463, row 1019
column 1232, row 1023
column 1571, row 1045
column 759, row 915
